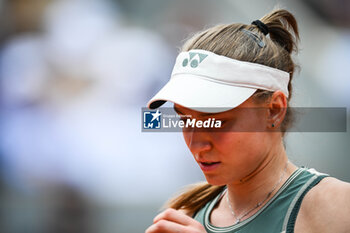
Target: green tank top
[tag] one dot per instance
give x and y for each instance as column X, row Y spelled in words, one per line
column 278, row 215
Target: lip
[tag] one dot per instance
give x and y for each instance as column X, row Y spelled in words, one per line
column 206, row 167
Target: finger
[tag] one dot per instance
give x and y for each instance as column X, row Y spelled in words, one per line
column 165, row 226
column 174, row 216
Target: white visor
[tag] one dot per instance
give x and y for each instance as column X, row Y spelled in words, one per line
column 207, row 82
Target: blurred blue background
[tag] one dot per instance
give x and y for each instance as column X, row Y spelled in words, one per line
column 74, row 75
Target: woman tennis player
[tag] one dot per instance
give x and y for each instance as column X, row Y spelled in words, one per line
column 241, row 74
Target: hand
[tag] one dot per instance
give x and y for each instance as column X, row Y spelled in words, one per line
column 175, row 221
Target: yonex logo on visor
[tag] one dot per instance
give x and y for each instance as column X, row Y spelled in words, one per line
column 195, row 59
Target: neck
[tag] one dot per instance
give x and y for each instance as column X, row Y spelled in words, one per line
column 268, row 177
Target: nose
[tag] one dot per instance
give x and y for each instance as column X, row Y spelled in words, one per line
column 197, row 142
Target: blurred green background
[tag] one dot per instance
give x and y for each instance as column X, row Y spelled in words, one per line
column 74, row 75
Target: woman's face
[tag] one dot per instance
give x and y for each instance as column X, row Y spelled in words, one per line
column 235, row 152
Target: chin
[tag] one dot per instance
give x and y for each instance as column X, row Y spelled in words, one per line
column 215, row 181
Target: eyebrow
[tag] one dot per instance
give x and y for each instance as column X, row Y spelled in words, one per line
column 200, row 115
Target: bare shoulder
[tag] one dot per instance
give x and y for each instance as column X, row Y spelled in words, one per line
column 325, row 208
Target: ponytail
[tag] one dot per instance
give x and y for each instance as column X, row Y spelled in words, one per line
column 283, row 29
column 194, row 197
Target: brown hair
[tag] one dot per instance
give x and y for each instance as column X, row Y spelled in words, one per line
column 245, row 43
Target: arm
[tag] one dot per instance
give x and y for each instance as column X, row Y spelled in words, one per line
column 325, row 208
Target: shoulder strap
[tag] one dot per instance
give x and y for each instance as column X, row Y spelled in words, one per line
column 294, row 207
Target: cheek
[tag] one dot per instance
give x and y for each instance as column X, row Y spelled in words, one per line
column 231, row 140
column 240, row 145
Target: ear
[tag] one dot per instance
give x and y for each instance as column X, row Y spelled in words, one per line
column 277, row 109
